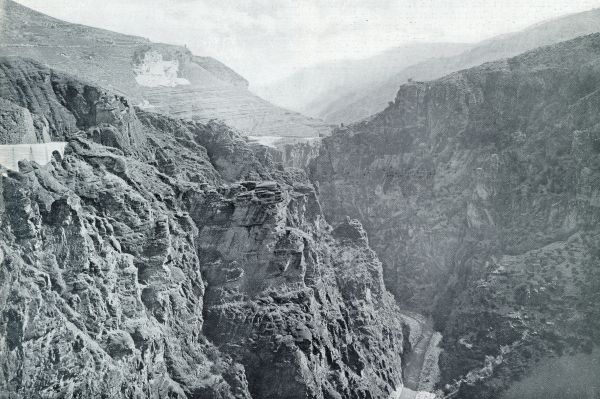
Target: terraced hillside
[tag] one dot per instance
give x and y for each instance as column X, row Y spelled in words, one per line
column 160, row 77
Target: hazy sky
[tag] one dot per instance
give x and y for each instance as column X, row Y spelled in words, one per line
column 267, row 39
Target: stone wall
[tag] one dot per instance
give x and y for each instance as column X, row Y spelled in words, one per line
column 11, row 154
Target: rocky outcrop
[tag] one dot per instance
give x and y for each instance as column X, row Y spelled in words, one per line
column 299, row 154
column 162, row 78
column 61, row 104
column 166, row 258
column 307, row 314
column 101, row 291
column 479, row 194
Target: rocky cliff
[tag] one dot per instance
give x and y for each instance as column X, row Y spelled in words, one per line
column 161, row 258
column 479, row 191
column 162, row 78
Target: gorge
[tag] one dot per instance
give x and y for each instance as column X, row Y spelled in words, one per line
column 478, row 191
column 166, row 233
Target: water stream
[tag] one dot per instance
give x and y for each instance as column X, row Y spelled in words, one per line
column 420, row 370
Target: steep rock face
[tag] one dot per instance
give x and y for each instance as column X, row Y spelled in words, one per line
column 307, row 314
column 101, row 290
column 299, row 154
column 163, row 78
column 167, row 258
column 289, row 152
column 479, row 193
column 65, row 104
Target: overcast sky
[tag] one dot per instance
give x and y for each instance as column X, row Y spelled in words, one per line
column 265, row 40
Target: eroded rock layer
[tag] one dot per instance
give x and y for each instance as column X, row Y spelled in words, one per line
column 479, row 192
column 160, row 258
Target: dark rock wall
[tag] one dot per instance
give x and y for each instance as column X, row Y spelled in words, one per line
column 307, row 314
column 102, row 295
column 479, row 192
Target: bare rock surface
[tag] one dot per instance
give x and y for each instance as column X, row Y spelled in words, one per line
column 479, row 192
column 166, row 258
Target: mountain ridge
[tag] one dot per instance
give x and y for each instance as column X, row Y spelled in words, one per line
column 320, row 82
column 357, row 105
column 162, row 77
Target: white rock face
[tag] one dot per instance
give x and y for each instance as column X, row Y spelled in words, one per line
column 155, row 72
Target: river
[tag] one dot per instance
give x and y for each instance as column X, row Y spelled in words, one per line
column 420, row 370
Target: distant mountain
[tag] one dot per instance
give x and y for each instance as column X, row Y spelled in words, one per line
column 352, row 105
column 160, row 77
column 306, row 89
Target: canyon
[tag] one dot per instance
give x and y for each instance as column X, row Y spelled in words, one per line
column 479, row 193
column 164, row 232
column 162, row 258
